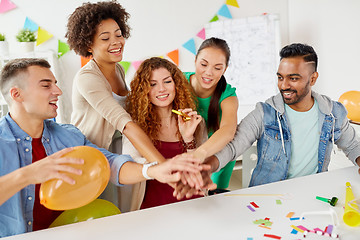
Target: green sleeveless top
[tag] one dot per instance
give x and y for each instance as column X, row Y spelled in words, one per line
column 203, row 103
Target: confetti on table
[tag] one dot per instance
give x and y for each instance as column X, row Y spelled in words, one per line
column 264, row 223
column 290, row 214
column 303, row 228
column 254, row 205
column 329, row 229
column 294, row 218
column 272, row 236
column 294, row 231
column 249, row 238
column 251, row 209
column 264, row 226
column 278, row 201
column 297, row 229
column 318, row 230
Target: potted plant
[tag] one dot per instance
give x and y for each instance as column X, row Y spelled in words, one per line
column 27, row 39
column 4, row 46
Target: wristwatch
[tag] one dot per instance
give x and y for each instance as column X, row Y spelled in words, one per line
column 145, row 168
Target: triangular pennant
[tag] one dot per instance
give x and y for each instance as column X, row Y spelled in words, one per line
column 84, row 60
column 174, row 56
column 214, row 19
column 190, row 45
column 233, row 3
column 224, row 11
column 43, row 36
column 6, row 5
column 136, row 64
column 62, row 48
column 29, row 24
column 125, row 65
column 201, row 34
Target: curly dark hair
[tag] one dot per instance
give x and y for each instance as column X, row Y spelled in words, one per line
column 83, row 22
column 139, row 106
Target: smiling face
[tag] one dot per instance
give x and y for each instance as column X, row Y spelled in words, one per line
column 39, row 95
column 210, row 65
column 295, row 79
column 108, row 42
column 162, row 88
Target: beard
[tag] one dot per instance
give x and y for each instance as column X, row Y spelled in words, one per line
column 297, row 96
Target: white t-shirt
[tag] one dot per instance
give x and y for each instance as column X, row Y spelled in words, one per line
column 305, row 135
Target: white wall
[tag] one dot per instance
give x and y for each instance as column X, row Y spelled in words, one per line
column 160, row 26
column 332, row 28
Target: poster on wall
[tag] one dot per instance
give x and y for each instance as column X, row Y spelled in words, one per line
column 254, row 44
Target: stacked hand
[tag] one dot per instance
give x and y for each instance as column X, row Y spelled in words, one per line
column 187, row 174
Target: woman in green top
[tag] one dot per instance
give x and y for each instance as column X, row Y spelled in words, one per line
column 217, row 102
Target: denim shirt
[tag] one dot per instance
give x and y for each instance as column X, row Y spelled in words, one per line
column 269, row 126
column 274, row 159
column 16, row 214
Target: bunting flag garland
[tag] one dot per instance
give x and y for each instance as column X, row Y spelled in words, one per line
column 190, row 45
column 233, row 3
column 62, row 48
column 29, row 24
column 214, row 19
column 6, row 5
column 174, row 56
column 224, row 11
column 125, row 65
column 136, row 64
column 43, row 36
column 84, row 60
column 201, row 34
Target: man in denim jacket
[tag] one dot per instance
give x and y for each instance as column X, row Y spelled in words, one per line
column 296, row 129
column 31, row 148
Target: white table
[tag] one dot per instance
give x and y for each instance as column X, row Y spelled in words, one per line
column 225, row 217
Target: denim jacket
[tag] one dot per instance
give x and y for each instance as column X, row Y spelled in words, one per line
column 16, row 214
column 268, row 125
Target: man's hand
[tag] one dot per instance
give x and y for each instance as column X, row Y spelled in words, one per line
column 53, row 166
column 181, row 190
column 358, row 163
column 170, row 170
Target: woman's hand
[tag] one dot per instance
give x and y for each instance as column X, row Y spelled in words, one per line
column 187, row 128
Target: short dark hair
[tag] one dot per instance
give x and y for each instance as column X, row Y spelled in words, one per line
column 300, row 50
column 82, row 24
column 15, row 67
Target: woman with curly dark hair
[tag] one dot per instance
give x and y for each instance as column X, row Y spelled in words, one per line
column 157, row 88
column 98, row 30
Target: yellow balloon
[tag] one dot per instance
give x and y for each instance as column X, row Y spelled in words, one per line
column 59, row 195
column 96, row 209
column 351, row 101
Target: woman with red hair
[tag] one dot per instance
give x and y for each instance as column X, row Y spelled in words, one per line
column 157, row 88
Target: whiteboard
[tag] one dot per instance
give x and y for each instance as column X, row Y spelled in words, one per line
column 254, row 44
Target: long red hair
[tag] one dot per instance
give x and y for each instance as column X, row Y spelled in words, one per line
column 138, row 103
